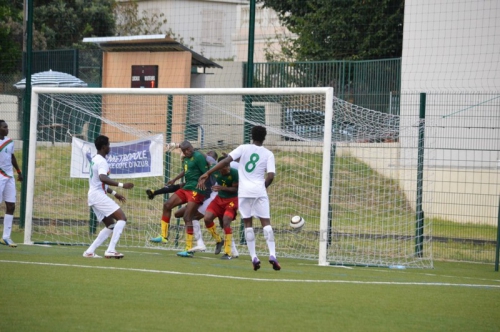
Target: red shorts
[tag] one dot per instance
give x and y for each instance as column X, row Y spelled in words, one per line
column 224, row 206
column 190, row 196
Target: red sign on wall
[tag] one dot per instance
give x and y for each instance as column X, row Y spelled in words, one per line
column 144, row 76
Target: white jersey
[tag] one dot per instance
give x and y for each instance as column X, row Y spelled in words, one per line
column 97, row 189
column 6, row 152
column 234, row 164
column 254, row 162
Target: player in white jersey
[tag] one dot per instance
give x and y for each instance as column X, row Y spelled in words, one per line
column 254, row 162
column 7, row 183
column 105, row 209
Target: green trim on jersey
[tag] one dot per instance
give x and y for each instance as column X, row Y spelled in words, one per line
column 226, row 181
column 193, row 168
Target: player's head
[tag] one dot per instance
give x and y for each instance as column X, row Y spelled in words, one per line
column 213, row 154
column 102, row 144
column 259, row 133
column 187, row 149
column 226, row 169
column 4, row 128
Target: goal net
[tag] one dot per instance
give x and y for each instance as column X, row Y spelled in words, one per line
column 346, row 170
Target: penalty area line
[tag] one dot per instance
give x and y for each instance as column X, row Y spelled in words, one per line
column 254, row 279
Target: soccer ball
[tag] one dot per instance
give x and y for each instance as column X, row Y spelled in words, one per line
column 297, row 222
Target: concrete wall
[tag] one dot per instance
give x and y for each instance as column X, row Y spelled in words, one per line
column 9, row 108
column 457, row 194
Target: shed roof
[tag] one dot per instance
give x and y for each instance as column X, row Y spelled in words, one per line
column 149, row 43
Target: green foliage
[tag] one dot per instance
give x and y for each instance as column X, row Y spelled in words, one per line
column 340, row 29
column 65, row 23
column 10, row 48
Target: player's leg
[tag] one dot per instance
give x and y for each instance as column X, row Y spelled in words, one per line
column 230, row 208
column 8, row 194
column 101, row 237
column 165, row 190
column 121, row 221
column 261, row 208
column 228, row 236
column 202, row 209
column 191, row 209
column 214, row 210
column 173, row 201
column 193, row 200
column 200, row 245
column 209, row 223
column 234, row 250
column 245, row 207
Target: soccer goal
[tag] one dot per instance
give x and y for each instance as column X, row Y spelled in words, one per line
column 339, row 167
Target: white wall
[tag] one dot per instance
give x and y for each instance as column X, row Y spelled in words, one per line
column 210, row 23
column 451, row 45
column 9, row 107
column 451, row 52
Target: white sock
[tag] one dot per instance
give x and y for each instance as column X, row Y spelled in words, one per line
column 197, row 233
column 117, row 231
column 250, row 237
column 269, row 236
column 234, row 251
column 101, row 237
column 7, row 225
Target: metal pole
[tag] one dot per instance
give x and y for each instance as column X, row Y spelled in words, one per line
column 251, row 37
column 419, row 232
column 498, row 239
column 26, row 109
column 248, row 100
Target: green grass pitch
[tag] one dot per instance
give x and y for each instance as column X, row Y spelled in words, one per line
column 53, row 288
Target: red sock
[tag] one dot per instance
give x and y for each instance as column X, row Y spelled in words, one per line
column 228, row 230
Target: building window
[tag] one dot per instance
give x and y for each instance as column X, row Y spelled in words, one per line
column 212, row 27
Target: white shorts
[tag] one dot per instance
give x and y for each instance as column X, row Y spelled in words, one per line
column 104, row 208
column 254, row 206
column 7, row 190
column 203, row 207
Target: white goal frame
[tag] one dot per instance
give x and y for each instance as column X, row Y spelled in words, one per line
column 326, row 150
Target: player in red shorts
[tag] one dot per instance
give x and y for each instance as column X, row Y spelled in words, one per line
column 193, row 164
column 225, row 204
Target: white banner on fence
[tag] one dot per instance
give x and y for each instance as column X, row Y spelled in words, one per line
column 134, row 159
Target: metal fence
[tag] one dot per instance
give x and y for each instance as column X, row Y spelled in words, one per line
column 462, row 136
column 373, row 84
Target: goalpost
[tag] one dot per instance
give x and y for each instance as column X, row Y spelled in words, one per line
column 341, row 167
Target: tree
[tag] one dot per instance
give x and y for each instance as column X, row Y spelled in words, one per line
column 341, row 29
column 10, row 51
column 65, row 23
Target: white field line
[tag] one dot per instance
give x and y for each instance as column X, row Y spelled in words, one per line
column 257, row 279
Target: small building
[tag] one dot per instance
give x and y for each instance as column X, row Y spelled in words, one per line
column 153, row 61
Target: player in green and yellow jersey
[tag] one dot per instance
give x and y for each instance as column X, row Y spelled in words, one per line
column 193, row 165
column 225, row 204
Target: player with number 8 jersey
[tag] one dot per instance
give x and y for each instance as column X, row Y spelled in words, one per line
column 254, row 162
